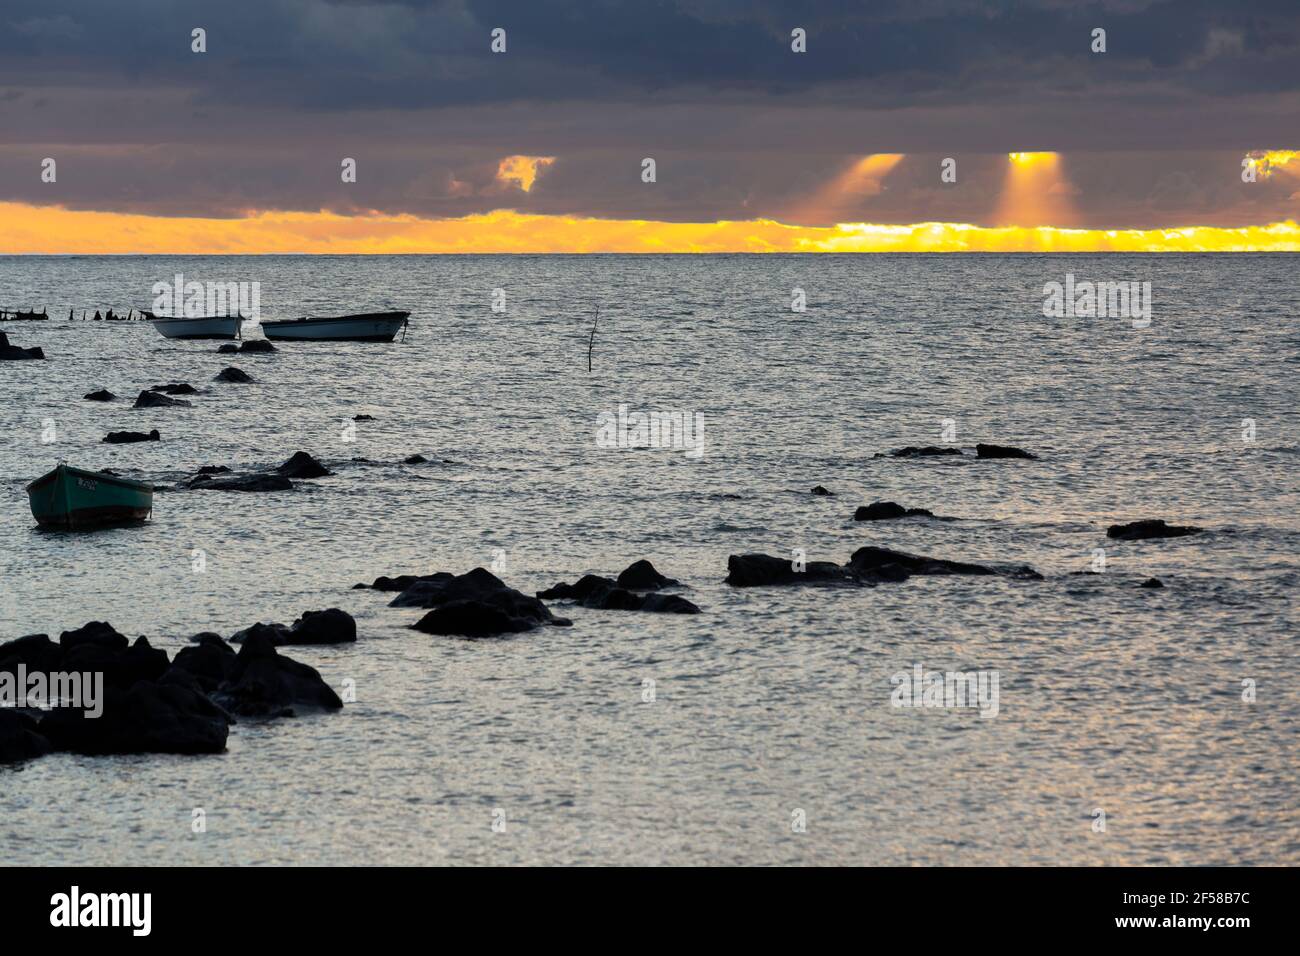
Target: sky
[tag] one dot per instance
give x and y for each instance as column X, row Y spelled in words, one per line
column 909, row 125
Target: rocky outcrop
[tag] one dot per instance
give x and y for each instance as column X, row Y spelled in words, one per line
column 331, row 626
column 232, row 374
column 1149, row 528
column 210, row 662
column 103, row 395
column 1152, row 583
column 126, row 438
column 151, row 399
column 871, row 560
column 914, row 451
column 414, row 460
column 303, row 465
column 14, row 353
column 642, row 576
column 475, row 604
column 148, row 718
column 757, row 570
column 257, row 346
column 821, row 491
column 594, row 591
column 255, row 482
column 176, row 388
column 264, row 683
column 867, row 566
column 886, row 510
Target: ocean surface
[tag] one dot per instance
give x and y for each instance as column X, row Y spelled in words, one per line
column 771, row 707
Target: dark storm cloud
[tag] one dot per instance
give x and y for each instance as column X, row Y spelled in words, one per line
column 743, row 126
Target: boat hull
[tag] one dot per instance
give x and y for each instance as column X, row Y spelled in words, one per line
column 208, row 327
column 372, row 327
column 73, row 498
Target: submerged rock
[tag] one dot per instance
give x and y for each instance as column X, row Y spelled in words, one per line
column 1001, row 451
column 257, row 345
column 414, row 460
column 275, row 634
column 264, row 683
column 1150, row 528
column 823, row 492
column 756, row 570
column 1152, row 583
column 19, row 737
column 241, row 483
column 227, row 348
column 594, row 591
column 303, row 465
column 477, row 602
column 403, row 581
column 103, row 395
column 885, row 510
column 914, row 451
column 150, row 399
column 125, row 438
column 875, row 560
column 642, row 576
column 232, row 374
column 363, row 418
column 213, row 470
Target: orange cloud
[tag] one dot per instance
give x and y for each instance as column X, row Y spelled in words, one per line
column 54, row 230
column 1267, row 161
column 522, row 171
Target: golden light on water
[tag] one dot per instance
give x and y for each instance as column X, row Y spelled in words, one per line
column 53, row 230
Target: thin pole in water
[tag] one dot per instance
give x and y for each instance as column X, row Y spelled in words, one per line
column 592, row 341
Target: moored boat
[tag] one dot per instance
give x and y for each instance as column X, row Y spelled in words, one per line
column 74, row 498
column 199, row 327
column 364, row 327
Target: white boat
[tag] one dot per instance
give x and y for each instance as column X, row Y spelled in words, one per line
column 202, row 327
column 366, row 327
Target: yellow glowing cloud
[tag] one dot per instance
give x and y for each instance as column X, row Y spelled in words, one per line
column 54, row 230
column 522, row 171
column 1266, row 161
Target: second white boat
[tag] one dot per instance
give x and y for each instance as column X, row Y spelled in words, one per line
column 365, row 327
column 202, row 327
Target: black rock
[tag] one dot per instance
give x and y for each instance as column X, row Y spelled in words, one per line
column 19, row 737
column 98, row 633
column 1150, row 528
column 232, row 374
column 213, row 470
column 331, row 626
column 403, row 581
column 303, row 465
column 642, row 576
column 256, row 345
column 914, row 451
column 148, row 399
column 819, row 490
column 122, row 669
column 14, row 353
column 103, row 395
column 210, row 662
column 148, row 718
column 414, row 460
column 755, row 570
column 1152, row 583
column 585, row 586
column 478, row 590
column 363, row 418
column 264, row 683
column 242, row 483
column 885, row 510
column 1001, row 451
column 228, row 348
column 176, row 388
column 873, row 560
column 35, row 651
column 125, row 438
column 275, row 634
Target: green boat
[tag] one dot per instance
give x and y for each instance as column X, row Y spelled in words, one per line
column 73, row 498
